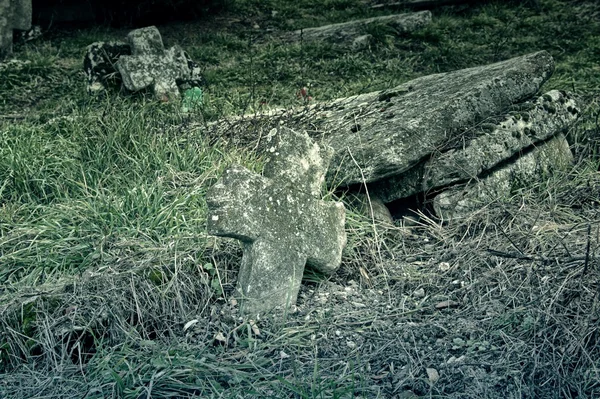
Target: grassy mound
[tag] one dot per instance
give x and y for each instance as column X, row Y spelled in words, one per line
column 111, row 287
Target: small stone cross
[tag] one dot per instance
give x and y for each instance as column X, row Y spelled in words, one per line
column 280, row 219
column 14, row 14
column 150, row 65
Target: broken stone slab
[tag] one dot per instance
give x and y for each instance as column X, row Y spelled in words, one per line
column 14, row 15
column 542, row 160
column 354, row 32
column 151, row 66
column 484, row 146
column 144, row 63
column 420, row 4
column 382, row 134
column 280, row 219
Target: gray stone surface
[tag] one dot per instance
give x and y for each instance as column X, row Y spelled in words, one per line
column 99, row 64
column 372, row 207
column 383, row 134
column 280, row 219
column 484, row 146
column 350, row 32
column 140, row 63
column 14, row 14
column 389, row 132
column 150, row 65
column 539, row 162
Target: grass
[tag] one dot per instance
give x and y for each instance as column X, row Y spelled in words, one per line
column 105, row 259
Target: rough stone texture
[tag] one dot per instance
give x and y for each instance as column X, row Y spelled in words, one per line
column 280, row 219
column 150, row 65
column 484, row 146
column 382, row 134
column 349, row 32
column 99, row 64
column 389, row 132
column 460, row 202
column 14, row 14
column 372, row 207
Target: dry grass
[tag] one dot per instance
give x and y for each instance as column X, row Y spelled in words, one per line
column 111, row 287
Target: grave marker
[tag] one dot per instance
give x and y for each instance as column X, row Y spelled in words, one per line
column 150, row 65
column 280, row 219
column 14, row 14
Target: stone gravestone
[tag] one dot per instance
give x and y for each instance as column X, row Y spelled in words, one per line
column 281, row 221
column 486, row 146
column 540, row 161
column 431, row 133
column 354, row 32
column 14, row 14
column 150, row 65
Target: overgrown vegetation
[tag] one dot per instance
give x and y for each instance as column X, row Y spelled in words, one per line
column 110, row 286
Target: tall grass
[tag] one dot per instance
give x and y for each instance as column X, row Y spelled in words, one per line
column 78, row 187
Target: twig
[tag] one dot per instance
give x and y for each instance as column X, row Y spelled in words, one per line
column 508, row 238
column 587, row 251
column 542, row 259
column 422, row 3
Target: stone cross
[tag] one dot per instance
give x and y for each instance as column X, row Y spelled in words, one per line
column 14, row 14
column 281, row 220
column 150, row 65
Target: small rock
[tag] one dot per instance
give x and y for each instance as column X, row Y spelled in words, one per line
column 447, row 304
column 444, row 266
column 220, row 337
column 420, row 293
column 433, row 375
column 362, row 42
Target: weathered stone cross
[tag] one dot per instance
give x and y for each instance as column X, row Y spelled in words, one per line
column 281, row 220
column 150, row 65
column 14, row 14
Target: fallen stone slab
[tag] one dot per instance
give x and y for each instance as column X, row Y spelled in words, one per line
column 485, row 146
column 280, row 219
column 383, row 134
column 356, row 32
column 542, row 160
column 420, row 4
column 14, row 15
